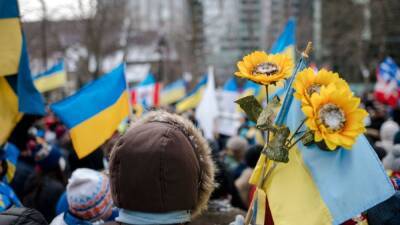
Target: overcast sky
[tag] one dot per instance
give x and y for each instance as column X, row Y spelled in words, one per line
column 31, row 10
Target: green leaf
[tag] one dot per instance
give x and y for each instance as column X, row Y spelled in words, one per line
column 267, row 116
column 276, row 149
column 250, row 106
column 308, row 138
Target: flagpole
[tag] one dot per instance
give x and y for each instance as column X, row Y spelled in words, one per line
column 129, row 94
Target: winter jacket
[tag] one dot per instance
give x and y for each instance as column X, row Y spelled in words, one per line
column 68, row 219
column 43, row 195
column 22, row 216
column 385, row 213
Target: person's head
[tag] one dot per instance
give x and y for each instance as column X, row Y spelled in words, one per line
column 89, row 195
column 237, row 146
column 161, row 171
column 392, row 162
column 252, row 155
column 388, row 131
column 48, row 158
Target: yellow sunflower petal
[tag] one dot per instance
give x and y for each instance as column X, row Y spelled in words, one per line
column 317, row 136
column 308, row 111
column 331, row 145
column 347, row 141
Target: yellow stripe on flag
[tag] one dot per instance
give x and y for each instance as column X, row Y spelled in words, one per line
column 292, row 195
column 172, row 96
column 190, row 102
column 289, row 50
column 10, row 46
column 261, row 207
column 50, row 82
column 93, row 132
column 9, row 115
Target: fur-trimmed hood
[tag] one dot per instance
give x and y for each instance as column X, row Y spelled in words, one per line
column 162, row 164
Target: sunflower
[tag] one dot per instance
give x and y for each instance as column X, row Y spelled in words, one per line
column 335, row 117
column 265, row 69
column 308, row 82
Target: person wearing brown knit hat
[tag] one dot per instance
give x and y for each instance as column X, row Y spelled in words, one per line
column 161, row 171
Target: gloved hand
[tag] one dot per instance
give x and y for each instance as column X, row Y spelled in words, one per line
column 239, row 220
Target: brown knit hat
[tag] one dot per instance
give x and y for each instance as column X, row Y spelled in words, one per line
column 161, row 164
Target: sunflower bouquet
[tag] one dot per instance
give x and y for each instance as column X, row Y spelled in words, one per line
column 332, row 114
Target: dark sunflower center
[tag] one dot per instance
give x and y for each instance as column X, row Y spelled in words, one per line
column 314, row 88
column 332, row 117
column 266, row 69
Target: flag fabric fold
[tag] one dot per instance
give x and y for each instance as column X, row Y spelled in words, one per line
column 93, row 113
column 18, row 93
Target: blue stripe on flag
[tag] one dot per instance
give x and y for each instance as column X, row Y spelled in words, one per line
column 8, row 9
column 149, row 79
column 29, row 99
column 231, row 85
column 99, row 94
column 198, row 86
column 59, row 67
column 174, row 85
column 286, row 38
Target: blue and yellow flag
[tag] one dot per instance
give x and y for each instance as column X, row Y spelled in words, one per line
column 51, row 79
column 93, row 114
column 318, row 187
column 10, row 153
column 173, row 92
column 18, row 95
column 193, row 98
column 286, row 40
column 285, row 43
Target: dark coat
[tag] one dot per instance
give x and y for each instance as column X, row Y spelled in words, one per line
column 22, row 216
column 42, row 193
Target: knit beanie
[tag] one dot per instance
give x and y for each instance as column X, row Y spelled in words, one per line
column 89, row 195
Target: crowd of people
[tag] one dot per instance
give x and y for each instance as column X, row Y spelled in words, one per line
column 156, row 170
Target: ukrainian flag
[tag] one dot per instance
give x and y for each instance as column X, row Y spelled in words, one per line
column 173, row 92
column 18, row 94
column 286, row 40
column 284, row 44
column 318, row 187
column 193, row 98
column 11, row 154
column 51, row 79
column 93, row 114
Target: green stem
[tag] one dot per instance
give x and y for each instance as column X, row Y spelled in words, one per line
column 298, row 128
column 267, row 97
column 291, row 146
